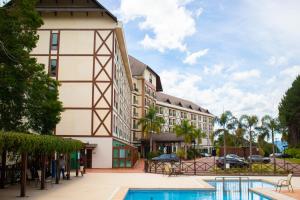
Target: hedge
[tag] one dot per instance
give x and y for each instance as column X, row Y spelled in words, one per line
column 33, row 143
column 293, row 152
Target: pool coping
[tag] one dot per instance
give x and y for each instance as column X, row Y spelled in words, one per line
column 121, row 192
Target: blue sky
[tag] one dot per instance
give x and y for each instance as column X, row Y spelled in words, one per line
column 222, row 54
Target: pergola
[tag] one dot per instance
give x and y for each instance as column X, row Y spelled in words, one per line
column 37, row 145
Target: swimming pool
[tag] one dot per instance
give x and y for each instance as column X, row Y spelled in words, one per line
column 231, row 191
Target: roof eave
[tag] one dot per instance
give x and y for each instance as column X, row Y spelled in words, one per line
column 123, row 50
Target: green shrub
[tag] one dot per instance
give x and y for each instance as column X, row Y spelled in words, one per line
column 191, row 152
column 180, row 153
column 293, row 152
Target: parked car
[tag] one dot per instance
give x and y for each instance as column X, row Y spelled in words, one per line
column 205, row 155
column 166, row 158
column 234, row 156
column 233, row 162
column 259, row 159
column 277, row 155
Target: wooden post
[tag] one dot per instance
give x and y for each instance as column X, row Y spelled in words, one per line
column 3, row 169
column 68, row 166
column 43, row 169
column 77, row 163
column 23, row 174
column 57, row 169
column 85, row 160
column 194, row 157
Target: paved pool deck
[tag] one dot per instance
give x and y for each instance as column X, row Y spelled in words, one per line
column 106, row 186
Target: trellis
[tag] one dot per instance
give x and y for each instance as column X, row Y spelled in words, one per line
column 28, row 143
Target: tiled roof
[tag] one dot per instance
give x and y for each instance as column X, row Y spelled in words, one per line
column 180, row 102
column 138, row 68
column 70, row 6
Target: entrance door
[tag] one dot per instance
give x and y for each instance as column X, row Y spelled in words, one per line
column 89, row 155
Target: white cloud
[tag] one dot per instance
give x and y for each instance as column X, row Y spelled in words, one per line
column 291, row 72
column 169, row 20
column 277, row 61
column 192, row 58
column 227, row 96
column 214, row 70
column 198, row 12
column 241, row 76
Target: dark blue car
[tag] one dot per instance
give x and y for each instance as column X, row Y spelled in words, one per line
column 166, row 158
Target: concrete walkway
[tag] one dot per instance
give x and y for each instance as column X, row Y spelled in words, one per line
column 105, row 186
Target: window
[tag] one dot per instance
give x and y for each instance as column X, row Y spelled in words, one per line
column 54, row 41
column 150, row 79
column 53, row 67
column 160, row 110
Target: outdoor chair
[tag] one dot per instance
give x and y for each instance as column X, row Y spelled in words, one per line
column 169, row 170
column 285, row 183
column 38, row 180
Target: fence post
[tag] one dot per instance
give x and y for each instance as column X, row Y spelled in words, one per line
column 155, row 167
column 194, row 167
column 23, row 174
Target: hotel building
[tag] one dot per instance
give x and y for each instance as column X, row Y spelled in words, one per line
column 174, row 110
column 82, row 46
column 146, row 83
column 148, row 91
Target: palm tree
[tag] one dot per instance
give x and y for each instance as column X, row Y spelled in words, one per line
column 198, row 135
column 185, row 130
column 269, row 127
column 151, row 123
column 239, row 134
column 249, row 123
column 226, row 122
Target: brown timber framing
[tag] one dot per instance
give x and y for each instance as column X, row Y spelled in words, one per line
column 97, row 34
column 102, row 42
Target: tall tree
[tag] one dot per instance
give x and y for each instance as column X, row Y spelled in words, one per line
column 226, row 123
column 42, row 106
column 289, row 113
column 18, row 24
column 151, row 124
column 187, row 131
column 198, row 135
column 18, row 36
column 249, row 123
column 239, row 133
column 270, row 126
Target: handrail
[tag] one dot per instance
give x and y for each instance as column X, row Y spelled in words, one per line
column 224, row 178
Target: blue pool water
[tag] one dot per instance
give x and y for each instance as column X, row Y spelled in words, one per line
column 230, row 191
